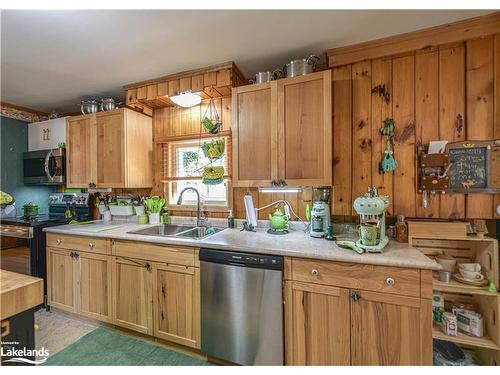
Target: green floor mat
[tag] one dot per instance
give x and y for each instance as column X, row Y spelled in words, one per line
column 104, row 347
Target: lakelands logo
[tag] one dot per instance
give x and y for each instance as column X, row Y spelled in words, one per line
column 22, row 355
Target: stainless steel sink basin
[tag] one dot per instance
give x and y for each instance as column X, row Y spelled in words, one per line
column 199, row 232
column 169, row 230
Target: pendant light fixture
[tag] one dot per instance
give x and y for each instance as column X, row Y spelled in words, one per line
column 186, row 99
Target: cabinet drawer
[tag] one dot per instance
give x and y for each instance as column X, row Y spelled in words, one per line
column 403, row 281
column 89, row 244
column 180, row 255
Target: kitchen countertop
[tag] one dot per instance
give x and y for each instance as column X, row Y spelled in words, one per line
column 19, row 293
column 296, row 244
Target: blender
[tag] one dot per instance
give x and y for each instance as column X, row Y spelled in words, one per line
column 320, row 214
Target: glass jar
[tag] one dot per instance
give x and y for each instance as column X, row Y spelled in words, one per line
column 401, row 229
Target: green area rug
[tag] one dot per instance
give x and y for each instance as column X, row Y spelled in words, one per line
column 104, row 347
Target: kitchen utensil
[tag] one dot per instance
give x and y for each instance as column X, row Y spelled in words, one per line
column 459, row 278
column 108, row 104
column 30, row 210
column 475, row 267
column 444, row 276
column 447, row 262
column 471, row 275
column 300, row 67
column 89, row 106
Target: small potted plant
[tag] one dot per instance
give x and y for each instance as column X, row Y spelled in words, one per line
column 154, row 205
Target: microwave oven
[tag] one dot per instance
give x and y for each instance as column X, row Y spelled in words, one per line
column 44, row 167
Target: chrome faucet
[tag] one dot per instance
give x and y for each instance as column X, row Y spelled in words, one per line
column 199, row 220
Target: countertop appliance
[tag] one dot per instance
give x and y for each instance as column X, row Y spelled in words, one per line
column 24, row 241
column 44, row 167
column 320, row 214
column 242, row 307
column 371, row 208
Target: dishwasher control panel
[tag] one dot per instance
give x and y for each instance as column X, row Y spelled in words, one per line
column 242, row 259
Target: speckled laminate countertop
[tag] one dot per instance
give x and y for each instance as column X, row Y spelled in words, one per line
column 295, row 244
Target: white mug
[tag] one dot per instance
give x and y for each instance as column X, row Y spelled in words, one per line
column 473, row 267
column 471, row 275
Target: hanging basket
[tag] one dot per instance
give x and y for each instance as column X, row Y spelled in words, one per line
column 213, row 175
column 211, row 119
column 214, row 150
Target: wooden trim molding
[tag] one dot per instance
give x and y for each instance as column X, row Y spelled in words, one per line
column 21, row 113
column 421, row 39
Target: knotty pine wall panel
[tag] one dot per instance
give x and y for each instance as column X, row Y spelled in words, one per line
column 480, row 83
column 496, row 131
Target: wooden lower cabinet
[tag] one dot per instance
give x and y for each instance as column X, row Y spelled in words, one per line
column 327, row 325
column 61, row 279
column 317, row 329
column 94, row 286
column 177, row 304
column 132, row 294
column 388, row 330
column 79, row 282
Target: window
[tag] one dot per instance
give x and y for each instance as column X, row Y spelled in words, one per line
column 183, row 164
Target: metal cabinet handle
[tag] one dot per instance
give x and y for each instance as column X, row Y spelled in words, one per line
column 58, row 241
column 72, row 254
column 356, row 296
column 314, row 272
column 390, row 281
column 77, row 255
column 91, row 245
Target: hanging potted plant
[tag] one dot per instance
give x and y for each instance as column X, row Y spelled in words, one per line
column 211, row 119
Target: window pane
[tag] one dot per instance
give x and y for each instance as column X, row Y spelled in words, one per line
column 210, row 194
column 190, row 161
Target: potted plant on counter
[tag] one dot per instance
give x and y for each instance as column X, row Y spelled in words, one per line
column 154, row 205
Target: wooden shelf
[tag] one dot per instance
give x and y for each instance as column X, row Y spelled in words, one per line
column 456, row 287
column 480, row 342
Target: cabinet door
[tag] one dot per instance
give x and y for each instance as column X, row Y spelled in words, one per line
column 110, row 149
column 389, row 330
column 305, row 129
column 316, row 324
column 132, row 297
column 61, row 279
column 177, row 304
column 94, row 286
column 254, row 135
column 80, row 167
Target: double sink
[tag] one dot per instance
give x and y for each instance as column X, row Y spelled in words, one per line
column 180, row 231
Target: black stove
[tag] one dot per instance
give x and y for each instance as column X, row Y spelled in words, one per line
column 29, row 231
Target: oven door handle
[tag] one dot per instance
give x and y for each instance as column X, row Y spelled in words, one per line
column 47, row 169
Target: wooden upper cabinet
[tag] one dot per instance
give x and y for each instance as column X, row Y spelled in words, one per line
column 254, row 135
column 282, row 130
column 317, row 325
column 110, row 149
column 177, row 304
column 390, row 330
column 305, row 129
column 80, row 134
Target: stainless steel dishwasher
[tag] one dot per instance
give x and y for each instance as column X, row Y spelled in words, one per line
column 242, row 307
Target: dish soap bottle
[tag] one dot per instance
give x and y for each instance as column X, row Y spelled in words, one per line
column 230, row 219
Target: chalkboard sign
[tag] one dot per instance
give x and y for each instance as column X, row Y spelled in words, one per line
column 469, row 168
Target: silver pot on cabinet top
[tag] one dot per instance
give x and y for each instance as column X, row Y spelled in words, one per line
column 89, row 106
column 262, row 77
column 300, row 67
column 108, row 104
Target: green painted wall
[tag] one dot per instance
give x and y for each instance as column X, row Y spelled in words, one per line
column 14, row 141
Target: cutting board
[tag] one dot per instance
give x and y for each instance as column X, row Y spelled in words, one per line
column 94, row 228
